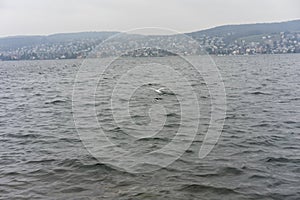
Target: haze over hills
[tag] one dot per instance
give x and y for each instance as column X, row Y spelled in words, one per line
column 234, row 32
column 283, row 37
column 12, row 42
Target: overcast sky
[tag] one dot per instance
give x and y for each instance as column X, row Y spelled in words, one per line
column 24, row 17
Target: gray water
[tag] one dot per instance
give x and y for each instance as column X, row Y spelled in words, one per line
column 256, row 157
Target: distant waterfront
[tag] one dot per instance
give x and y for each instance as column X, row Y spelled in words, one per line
column 246, row 39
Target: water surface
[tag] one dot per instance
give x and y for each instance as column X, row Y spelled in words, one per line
column 256, row 157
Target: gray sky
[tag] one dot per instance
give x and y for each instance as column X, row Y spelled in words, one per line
column 24, row 17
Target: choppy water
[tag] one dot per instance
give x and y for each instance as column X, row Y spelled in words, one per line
column 256, row 157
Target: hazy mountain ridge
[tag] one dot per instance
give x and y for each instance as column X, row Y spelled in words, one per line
column 20, row 41
column 281, row 37
column 233, row 32
column 56, row 46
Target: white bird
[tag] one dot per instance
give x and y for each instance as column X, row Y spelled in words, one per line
column 159, row 91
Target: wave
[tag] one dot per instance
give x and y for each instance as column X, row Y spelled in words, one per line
column 56, row 101
column 200, row 188
column 281, row 160
column 259, row 93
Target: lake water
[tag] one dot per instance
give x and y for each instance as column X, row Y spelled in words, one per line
column 42, row 155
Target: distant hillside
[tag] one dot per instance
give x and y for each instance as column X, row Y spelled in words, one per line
column 14, row 42
column 244, row 39
column 233, row 32
column 60, row 37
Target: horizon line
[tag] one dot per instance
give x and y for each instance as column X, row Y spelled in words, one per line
column 112, row 31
